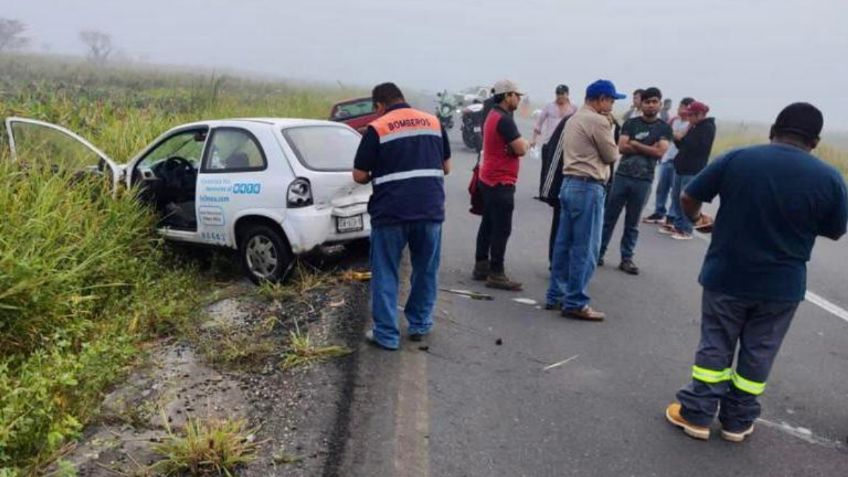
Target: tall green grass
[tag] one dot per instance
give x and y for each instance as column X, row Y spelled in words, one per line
column 84, row 280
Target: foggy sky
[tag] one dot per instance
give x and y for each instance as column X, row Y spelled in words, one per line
column 745, row 58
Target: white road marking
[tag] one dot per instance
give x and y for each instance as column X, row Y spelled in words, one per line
column 563, row 362
column 525, row 301
column 811, row 296
column 827, row 305
column 801, row 433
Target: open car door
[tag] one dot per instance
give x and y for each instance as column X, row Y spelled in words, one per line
column 34, row 141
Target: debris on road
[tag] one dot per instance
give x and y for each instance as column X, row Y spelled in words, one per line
column 561, row 363
column 356, row 276
column 469, row 294
column 525, row 301
column 498, row 341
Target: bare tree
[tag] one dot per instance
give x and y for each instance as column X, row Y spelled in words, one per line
column 99, row 45
column 11, row 34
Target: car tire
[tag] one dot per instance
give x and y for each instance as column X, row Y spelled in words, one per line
column 265, row 254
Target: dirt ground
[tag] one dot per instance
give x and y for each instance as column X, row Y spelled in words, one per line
column 231, row 368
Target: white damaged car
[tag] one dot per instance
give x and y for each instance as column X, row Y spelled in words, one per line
column 270, row 188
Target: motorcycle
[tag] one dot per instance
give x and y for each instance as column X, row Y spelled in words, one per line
column 472, row 126
column 445, row 110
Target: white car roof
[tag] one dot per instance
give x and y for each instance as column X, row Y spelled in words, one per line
column 281, row 123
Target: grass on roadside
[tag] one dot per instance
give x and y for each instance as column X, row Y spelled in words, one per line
column 302, row 280
column 206, row 448
column 303, row 351
column 83, row 278
column 727, row 140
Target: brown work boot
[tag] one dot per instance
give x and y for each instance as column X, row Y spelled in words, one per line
column 500, row 281
column 736, row 436
column 586, row 313
column 672, row 413
column 481, row 271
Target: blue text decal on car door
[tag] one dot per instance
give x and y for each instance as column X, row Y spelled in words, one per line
column 253, row 188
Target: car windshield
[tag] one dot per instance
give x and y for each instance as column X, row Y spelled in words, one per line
column 353, row 109
column 324, row 148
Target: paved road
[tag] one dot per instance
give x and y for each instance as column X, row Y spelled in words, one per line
column 470, row 407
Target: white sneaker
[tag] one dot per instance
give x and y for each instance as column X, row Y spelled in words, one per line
column 666, row 229
column 677, row 235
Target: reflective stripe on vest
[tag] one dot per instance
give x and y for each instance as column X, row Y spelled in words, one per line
column 710, row 376
column 399, row 176
column 750, row 387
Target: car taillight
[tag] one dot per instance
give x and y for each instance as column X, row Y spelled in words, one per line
column 300, row 193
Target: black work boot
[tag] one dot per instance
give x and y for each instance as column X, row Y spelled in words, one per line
column 500, row 281
column 481, row 270
column 627, row 266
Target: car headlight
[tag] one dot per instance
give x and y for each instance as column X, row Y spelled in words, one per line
column 299, row 193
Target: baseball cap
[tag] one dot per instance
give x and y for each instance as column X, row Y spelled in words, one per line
column 696, row 107
column 603, row 88
column 561, row 89
column 506, row 86
column 800, row 118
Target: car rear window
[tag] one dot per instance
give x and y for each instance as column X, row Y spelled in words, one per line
column 353, row 109
column 324, row 148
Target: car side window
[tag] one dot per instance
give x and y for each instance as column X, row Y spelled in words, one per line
column 185, row 144
column 233, row 150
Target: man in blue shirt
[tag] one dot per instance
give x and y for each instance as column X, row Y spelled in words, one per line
column 775, row 200
column 405, row 154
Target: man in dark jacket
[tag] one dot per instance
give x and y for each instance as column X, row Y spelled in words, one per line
column 694, row 149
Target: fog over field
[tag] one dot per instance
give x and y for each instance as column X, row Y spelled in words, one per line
column 745, row 58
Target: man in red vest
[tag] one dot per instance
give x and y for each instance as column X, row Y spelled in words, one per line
column 503, row 147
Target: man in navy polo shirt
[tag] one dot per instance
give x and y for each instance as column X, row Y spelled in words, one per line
column 405, row 154
column 775, row 200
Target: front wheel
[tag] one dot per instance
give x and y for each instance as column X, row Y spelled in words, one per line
column 265, row 254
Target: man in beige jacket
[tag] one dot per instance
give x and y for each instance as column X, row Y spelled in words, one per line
column 589, row 149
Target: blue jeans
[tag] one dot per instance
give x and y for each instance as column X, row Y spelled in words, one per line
column 665, row 174
column 632, row 194
column 677, row 217
column 387, row 244
column 577, row 243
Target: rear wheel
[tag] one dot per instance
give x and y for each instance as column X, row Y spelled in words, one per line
column 265, row 254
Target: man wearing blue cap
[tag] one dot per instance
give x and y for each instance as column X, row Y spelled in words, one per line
column 589, row 149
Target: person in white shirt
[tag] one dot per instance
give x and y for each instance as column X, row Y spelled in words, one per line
column 551, row 115
column 636, row 108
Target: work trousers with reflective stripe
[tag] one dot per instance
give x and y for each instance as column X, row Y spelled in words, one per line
column 757, row 329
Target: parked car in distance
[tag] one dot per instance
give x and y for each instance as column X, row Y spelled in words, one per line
column 356, row 113
column 270, row 188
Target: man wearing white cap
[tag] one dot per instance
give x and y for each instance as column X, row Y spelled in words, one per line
column 503, row 146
